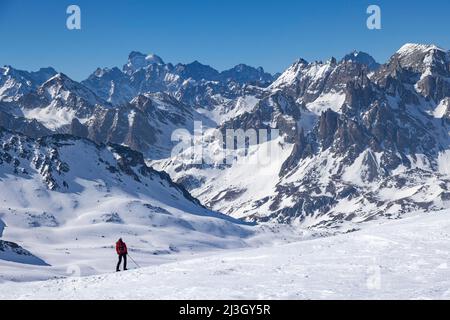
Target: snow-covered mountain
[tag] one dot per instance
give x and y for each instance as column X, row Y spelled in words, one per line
column 358, row 140
column 348, row 141
column 138, row 60
column 195, row 84
column 62, row 105
column 357, row 144
column 16, row 83
column 54, row 104
column 138, row 106
column 66, row 200
column 145, row 124
column 362, row 58
column 112, row 85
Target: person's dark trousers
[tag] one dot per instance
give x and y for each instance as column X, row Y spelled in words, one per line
column 124, row 256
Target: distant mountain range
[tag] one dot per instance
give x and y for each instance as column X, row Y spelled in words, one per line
column 359, row 140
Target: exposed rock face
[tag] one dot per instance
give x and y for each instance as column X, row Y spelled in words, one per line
column 111, row 85
column 308, row 81
column 139, row 106
column 30, row 128
column 384, row 135
column 194, row 83
column 16, row 83
column 244, row 74
column 362, row 58
column 10, row 251
column 61, row 105
column 358, row 140
column 368, row 141
column 50, row 158
column 145, row 124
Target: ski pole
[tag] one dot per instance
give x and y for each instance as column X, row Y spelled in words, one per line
column 134, row 261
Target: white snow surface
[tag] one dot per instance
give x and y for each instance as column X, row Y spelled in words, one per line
column 410, row 48
column 75, row 226
column 52, row 116
column 230, row 109
column 330, row 100
column 403, row 259
column 234, row 191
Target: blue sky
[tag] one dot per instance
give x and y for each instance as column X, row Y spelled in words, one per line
column 221, row 33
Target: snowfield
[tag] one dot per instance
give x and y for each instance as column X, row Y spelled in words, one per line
column 402, row 259
column 348, row 199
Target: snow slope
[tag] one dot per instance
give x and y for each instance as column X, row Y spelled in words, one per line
column 67, row 200
column 10, row 251
column 230, row 188
column 404, row 259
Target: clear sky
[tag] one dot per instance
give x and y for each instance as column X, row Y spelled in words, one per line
column 221, row 33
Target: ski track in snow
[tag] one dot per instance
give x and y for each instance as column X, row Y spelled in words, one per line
column 402, row 259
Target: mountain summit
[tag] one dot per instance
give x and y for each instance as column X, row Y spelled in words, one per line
column 137, row 60
column 362, row 58
column 358, row 141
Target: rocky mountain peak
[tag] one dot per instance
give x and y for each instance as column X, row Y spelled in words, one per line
column 197, row 71
column 362, row 58
column 112, row 72
column 291, row 74
column 154, row 59
column 15, row 83
column 348, row 129
column 421, row 58
column 63, row 92
column 5, row 70
column 414, row 48
column 243, row 73
column 138, row 60
column 61, row 82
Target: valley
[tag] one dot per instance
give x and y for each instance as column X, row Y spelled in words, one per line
column 352, row 174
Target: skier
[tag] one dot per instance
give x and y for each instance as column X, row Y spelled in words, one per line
column 122, row 251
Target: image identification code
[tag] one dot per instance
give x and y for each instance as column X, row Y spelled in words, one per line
column 229, row 310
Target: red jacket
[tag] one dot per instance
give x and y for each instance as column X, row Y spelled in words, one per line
column 121, row 248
